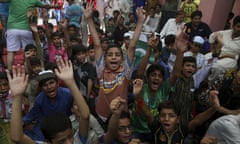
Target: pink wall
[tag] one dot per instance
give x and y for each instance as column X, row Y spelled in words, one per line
column 236, row 7
column 215, row 12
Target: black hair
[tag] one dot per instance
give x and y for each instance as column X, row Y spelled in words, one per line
column 190, row 59
column 91, row 46
column 180, row 12
column 116, row 12
column 78, row 48
column 53, row 124
column 114, row 46
column 168, row 105
column 104, row 40
column 75, row 37
column 72, row 26
column 196, row 13
column 29, row 47
column 50, row 66
column 40, row 28
column 236, row 20
column 155, row 67
column 169, row 39
column 50, row 25
column 3, row 76
column 55, row 34
column 34, row 61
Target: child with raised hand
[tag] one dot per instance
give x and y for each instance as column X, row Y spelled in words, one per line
column 113, row 71
column 55, row 132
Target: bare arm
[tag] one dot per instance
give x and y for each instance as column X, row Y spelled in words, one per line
column 18, row 83
column 65, row 72
column 181, row 46
column 89, row 89
column 96, row 41
column 132, row 46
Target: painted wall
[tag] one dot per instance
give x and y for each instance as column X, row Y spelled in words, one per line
column 215, row 12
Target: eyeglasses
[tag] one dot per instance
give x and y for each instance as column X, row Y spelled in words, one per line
column 124, row 128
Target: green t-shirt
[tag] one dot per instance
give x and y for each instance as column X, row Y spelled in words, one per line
column 138, row 119
column 18, row 13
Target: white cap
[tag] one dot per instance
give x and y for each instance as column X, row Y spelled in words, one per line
column 198, row 39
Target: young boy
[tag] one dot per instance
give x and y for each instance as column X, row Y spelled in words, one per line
column 56, row 127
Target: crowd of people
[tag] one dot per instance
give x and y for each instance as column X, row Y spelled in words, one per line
column 80, row 84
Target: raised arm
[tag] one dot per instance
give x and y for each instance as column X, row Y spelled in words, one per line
column 180, row 44
column 116, row 106
column 18, row 83
column 88, row 12
column 132, row 46
column 152, row 43
column 65, row 73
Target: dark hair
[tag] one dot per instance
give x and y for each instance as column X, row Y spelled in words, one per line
column 75, row 37
column 3, row 76
column 50, row 25
column 169, row 39
column 180, row 12
column 50, row 66
column 91, row 46
column 236, row 20
column 155, row 67
column 114, row 46
column 190, row 59
column 55, row 34
column 53, row 124
column 29, row 47
column 196, row 13
column 40, row 28
column 168, row 105
column 34, row 61
column 116, row 12
column 72, row 26
column 78, row 48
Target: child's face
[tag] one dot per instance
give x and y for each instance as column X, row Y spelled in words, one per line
column 81, row 56
column 50, row 88
column 31, row 53
column 188, row 69
column 36, row 69
column 4, row 88
column 155, row 80
column 41, row 34
column 104, row 45
column 124, row 130
column 113, row 58
column 168, row 120
column 91, row 54
column 65, row 137
column 195, row 47
column 56, row 41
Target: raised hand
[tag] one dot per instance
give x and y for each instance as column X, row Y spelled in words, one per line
column 141, row 14
column 137, row 87
column 65, row 71
column 88, row 12
column 181, row 41
column 153, row 41
column 209, row 140
column 117, row 105
column 18, row 81
column 64, row 24
column 135, row 141
column 34, row 28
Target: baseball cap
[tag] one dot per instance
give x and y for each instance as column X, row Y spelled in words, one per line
column 198, row 40
column 46, row 75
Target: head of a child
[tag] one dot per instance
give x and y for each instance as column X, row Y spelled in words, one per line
column 72, row 29
column 189, row 66
column 180, row 16
column 126, row 39
column 41, row 32
column 168, row 116
column 104, row 44
column 113, row 57
column 36, row 65
column 197, row 44
column 56, row 39
column 48, row 82
column 30, row 50
column 57, row 128
column 74, row 39
column 155, row 75
column 79, row 53
column 91, row 53
column 196, row 17
column 169, row 42
column 4, row 86
column 124, row 128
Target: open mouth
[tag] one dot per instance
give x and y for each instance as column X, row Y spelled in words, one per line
column 155, row 85
column 3, row 94
column 167, row 127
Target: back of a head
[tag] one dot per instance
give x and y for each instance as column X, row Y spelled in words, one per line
column 236, row 20
column 53, row 124
column 169, row 39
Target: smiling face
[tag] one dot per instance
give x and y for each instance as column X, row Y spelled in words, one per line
column 56, row 41
column 113, row 58
column 4, row 88
column 188, row 69
column 81, row 56
column 155, row 80
column 168, row 120
column 124, row 131
column 50, row 88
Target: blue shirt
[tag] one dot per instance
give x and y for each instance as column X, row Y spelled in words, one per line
column 4, row 8
column 74, row 14
column 43, row 107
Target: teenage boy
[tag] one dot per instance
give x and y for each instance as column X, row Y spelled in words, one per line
column 56, row 127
